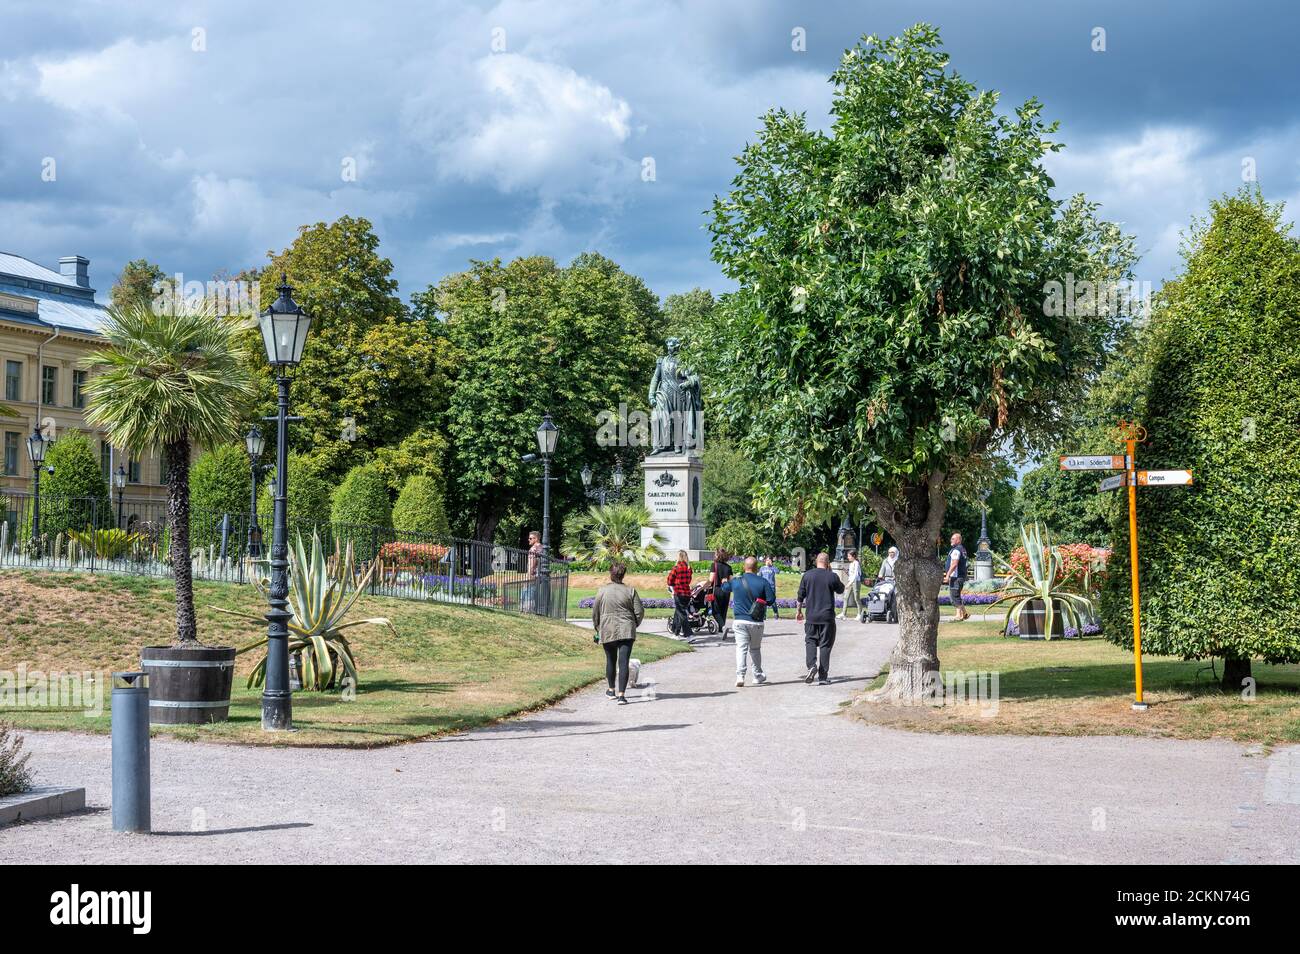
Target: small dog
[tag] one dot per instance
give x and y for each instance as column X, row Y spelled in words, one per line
column 634, row 673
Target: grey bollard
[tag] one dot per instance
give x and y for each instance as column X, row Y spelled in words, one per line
column 131, row 751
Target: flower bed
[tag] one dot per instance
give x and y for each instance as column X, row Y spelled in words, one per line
column 1089, row 629
column 1075, row 560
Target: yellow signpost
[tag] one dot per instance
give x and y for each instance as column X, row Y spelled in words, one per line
column 1131, row 433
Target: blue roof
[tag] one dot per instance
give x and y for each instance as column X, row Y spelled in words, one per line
column 61, row 302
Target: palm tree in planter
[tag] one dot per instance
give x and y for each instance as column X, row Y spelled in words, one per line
column 173, row 381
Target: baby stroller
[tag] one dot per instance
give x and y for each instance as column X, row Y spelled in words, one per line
column 699, row 612
column 882, row 604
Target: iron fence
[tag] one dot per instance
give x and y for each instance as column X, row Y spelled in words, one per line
column 94, row 535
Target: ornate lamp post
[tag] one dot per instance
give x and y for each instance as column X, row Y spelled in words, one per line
column 548, row 435
column 983, row 555
column 843, row 540
column 603, row 493
column 36, row 446
column 119, row 481
column 255, row 443
column 284, row 328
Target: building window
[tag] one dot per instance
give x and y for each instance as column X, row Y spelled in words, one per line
column 133, row 471
column 106, row 459
column 13, row 380
column 79, row 389
column 49, row 385
column 11, row 452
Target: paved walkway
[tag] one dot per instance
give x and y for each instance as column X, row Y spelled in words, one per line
column 693, row 770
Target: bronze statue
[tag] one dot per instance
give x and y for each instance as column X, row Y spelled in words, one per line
column 676, row 418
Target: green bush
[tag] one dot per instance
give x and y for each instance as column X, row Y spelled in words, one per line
column 423, row 452
column 15, row 776
column 361, row 501
column 310, row 487
column 419, row 508
column 75, row 496
column 1222, row 385
column 220, row 483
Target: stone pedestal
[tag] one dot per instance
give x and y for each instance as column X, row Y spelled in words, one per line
column 983, row 567
column 672, row 495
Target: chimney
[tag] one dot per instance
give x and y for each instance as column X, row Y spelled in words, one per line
column 76, row 268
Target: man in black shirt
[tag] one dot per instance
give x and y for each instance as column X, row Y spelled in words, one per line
column 720, row 573
column 955, row 576
column 817, row 590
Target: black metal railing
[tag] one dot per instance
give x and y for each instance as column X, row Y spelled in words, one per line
column 94, row 535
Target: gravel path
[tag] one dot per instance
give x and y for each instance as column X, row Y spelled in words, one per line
column 693, row 770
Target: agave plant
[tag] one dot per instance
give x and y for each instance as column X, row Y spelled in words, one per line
column 1041, row 583
column 613, row 532
column 321, row 592
column 110, row 543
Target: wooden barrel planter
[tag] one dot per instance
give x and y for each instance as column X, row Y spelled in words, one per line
column 1032, row 620
column 188, row 685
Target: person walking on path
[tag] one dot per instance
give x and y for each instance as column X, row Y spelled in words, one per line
column 853, row 588
column 753, row 595
column 817, row 590
column 887, row 567
column 719, row 572
column 955, row 576
column 615, row 614
column 768, row 572
column 679, row 584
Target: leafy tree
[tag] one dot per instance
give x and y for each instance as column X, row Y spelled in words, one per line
column 359, row 504
column 310, row 489
column 423, row 452
column 75, row 496
column 220, row 483
column 365, row 360
column 419, row 508
column 170, row 381
column 529, row 337
column 137, row 283
column 1221, row 385
column 890, row 330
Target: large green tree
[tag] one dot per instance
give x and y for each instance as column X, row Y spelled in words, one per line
column 140, row 281
column 369, row 375
column 890, row 333
column 525, row 338
column 1220, row 395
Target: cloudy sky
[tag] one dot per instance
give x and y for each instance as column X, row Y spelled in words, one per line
column 200, row 135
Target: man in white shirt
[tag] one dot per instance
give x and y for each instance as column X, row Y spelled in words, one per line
column 853, row 589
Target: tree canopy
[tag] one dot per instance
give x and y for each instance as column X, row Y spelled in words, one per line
column 889, row 333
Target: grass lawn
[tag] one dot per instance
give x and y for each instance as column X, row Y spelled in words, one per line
column 449, row 668
column 1085, row 687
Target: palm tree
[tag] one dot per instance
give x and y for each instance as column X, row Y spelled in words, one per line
column 170, row 382
column 613, row 532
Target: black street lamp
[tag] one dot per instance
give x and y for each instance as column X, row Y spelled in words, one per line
column 119, row 481
column 843, row 539
column 255, row 443
column 602, row 492
column 548, row 435
column 36, row 446
column 284, row 327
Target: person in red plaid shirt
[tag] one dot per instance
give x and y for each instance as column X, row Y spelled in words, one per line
column 679, row 581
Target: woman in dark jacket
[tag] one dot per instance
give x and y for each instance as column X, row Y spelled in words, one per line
column 615, row 615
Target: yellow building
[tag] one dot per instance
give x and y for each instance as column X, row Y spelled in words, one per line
column 49, row 322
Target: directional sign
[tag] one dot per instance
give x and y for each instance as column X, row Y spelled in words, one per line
column 1112, row 483
column 1159, row 478
column 1093, row 462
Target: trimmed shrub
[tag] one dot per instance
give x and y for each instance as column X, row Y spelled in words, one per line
column 220, row 483
column 419, row 508
column 1223, row 399
column 75, row 496
column 361, row 501
column 310, row 487
column 422, row 452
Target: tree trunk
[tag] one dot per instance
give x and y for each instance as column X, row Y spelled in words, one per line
column 917, row 576
column 1235, row 670
column 178, row 519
